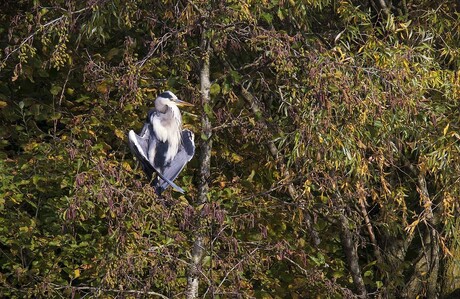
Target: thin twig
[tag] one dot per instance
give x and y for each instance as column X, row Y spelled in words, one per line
column 233, row 268
column 152, row 51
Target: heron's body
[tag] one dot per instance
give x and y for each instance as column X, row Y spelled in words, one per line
column 162, row 146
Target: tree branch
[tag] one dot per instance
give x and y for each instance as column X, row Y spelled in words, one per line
column 426, row 269
column 381, row 6
column 351, row 253
column 370, row 231
column 234, row 267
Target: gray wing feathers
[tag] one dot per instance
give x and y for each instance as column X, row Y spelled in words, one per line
column 185, row 154
column 140, row 147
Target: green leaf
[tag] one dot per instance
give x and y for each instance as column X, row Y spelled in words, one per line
column 208, row 110
column 55, row 90
column 215, row 89
column 280, row 14
column 236, row 77
column 267, row 17
column 251, row 176
column 56, row 116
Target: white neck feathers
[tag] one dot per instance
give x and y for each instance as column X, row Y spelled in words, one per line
column 167, row 127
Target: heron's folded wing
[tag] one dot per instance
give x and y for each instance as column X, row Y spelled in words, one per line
column 185, row 154
column 140, row 146
column 188, row 142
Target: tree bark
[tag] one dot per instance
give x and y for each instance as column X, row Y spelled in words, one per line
column 451, row 271
column 205, row 172
column 351, row 253
column 370, row 231
column 381, row 6
column 206, row 128
column 193, row 281
column 423, row 281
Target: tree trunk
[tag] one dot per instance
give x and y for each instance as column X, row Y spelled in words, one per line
column 370, row 230
column 205, row 172
column 451, row 271
column 194, row 268
column 351, row 253
column 381, row 7
column 423, row 281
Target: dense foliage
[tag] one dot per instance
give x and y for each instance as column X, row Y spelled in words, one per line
column 335, row 159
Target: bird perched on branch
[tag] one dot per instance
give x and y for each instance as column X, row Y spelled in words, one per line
column 162, row 147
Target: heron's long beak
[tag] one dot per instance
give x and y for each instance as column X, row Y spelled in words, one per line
column 182, row 103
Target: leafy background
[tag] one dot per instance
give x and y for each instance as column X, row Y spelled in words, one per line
column 335, row 158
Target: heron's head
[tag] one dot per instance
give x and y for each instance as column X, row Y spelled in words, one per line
column 168, row 98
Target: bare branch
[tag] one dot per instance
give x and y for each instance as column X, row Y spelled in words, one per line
column 159, row 43
column 233, row 268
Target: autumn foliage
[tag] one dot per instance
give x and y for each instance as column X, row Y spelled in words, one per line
column 335, row 158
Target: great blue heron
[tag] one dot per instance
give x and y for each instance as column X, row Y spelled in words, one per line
column 162, row 146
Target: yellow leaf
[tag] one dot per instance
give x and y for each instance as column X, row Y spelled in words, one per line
column 456, row 135
column 102, row 88
column 3, row 104
column 168, row 15
column 126, row 166
column 119, row 133
column 251, row 176
column 406, row 64
column 76, row 273
column 445, row 129
column 236, row 158
column 30, row 146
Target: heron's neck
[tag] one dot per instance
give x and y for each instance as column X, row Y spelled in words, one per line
column 168, row 127
column 161, row 108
